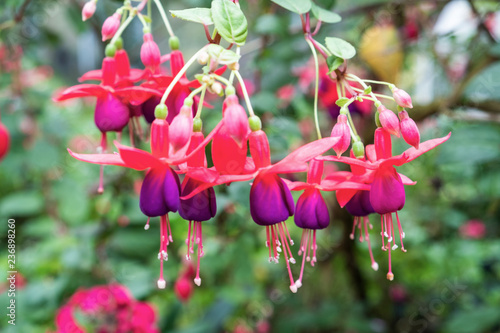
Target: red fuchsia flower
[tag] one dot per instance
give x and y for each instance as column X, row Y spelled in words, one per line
column 183, row 287
column 4, row 141
column 198, row 208
column 402, row 98
column 110, row 26
column 160, row 189
column 108, row 308
column 150, row 53
column 311, row 212
column 341, row 130
column 88, row 10
column 409, row 129
column 387, row 195
column 271, row 202
column 474, row 229
column 388, row 120
column 180, row 131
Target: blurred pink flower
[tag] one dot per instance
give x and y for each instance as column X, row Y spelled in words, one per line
column 474, row 229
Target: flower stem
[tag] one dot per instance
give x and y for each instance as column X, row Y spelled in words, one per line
column 123, row 27
column 316, row 87
column 200, row 103
column 363, row 84
column 165, row 18
column 377, row 95
column 196, row 91
column 179, row 75
column 245, row 93
column 223, row 79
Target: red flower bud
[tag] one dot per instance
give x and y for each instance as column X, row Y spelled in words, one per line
column 341, row 129
column 228, row 157
column 159, row 138
column 88, row 10
column 4, row 141
column 409, row 129
column 181, row 129
column 259, row 149
column 198, row 159
column 108, row 71
column 388, row 120
column 402, row 98
column 383, row 144
column 110, row 26
column 150, row 53
column 236, row 120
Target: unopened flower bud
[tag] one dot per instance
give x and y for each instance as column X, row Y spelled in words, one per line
column 197, row 125
column 388, row 120
column 88, row 10
column 161, row 111
column 409, row 129
column 341, row 130
column 255, row 123
column 236, row 121
column 150, row 52
column 110, row 26
column 202, row 58
column 173, row 42
column 358, row 149
column 234, row 66
column 402, row 98
column 183, row 289
column 181, row 129
column 217, row 88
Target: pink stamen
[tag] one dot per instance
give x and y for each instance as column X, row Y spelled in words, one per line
column 366, row 221
column 197, row 225
column 268, row 243
column 401, row 233
column 188, row 239
column 131, row 131
column 102, row 149
column 170, row 238
column 146, row 227
column 138, row 128
column 360, row 226
column 314, row 247
column 382, row 231
column 351, row 236
column 288, row 234
column 293, row 287
column 286, row 247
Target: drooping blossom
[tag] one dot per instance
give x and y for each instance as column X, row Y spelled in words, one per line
column 341, row 129
column 88, row 10
column 4, row 141
column 387, row 194
column 409, row 129
column 110, row 26
column 474, row 229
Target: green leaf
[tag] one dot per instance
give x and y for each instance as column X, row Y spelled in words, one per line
column 229, row 21
column 342, row 101
column 325, row 15
column 222, row 55
column 22, row 204
column 368, row 90
column 296, row 6
column 198, row 15
column 340, row 48
column 333, row 63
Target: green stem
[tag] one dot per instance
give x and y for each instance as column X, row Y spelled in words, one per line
column 196, row 91
column 165, row 18
column 377, row 95
column 370, row 81
column 363, row 84
column 316, row 87
column 143, row 21
column 223, row 79
column 231, row 77
column 150, row 13
column 245, row 93
column 179, row 75
column 200, row 103
column 122, row 27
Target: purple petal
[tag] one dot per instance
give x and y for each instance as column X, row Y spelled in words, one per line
column 152, row 199
column 360, row 205
column 111, row 114
column 201, row 206
column 171, row 190
column 387, row 193
column 270, row 200
column 311, row 211
column 148, row 108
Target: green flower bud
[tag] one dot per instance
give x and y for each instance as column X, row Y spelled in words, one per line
column 358, row 149
column 230, row 90
column 377, row 119
column 119, row 43
column 174, row 43
column 161, row 111
column 197, row 125
column 110, row 50
column 255, row 123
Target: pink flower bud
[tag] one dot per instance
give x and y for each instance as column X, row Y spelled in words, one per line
column 382, row 143
column 341, row 129
column 159, row 138
column 88, row 10
column 183, row 289
column 388, row 120
column 181, row 129
column 402, row 98
column 409, row 129
column 236, row 121
column 110, row 26
column 150, row 53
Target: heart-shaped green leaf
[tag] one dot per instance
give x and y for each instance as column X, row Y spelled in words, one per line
column 296, row 6
column 198, row 15
column 229, row 21
column 325, row 15
column 333, row 63
column 340, row 48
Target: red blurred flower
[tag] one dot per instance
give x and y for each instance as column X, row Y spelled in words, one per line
column 474, row 229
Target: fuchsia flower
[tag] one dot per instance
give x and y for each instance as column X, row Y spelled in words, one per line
column 160, row 191
column 389, row 120
column 341, row 129
column 409, row 129
column 150, row 53
column 236, row 120
column 474, row 229
column 387, row 195
column 108, row 308
column 271, row 202
column 402, row 98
